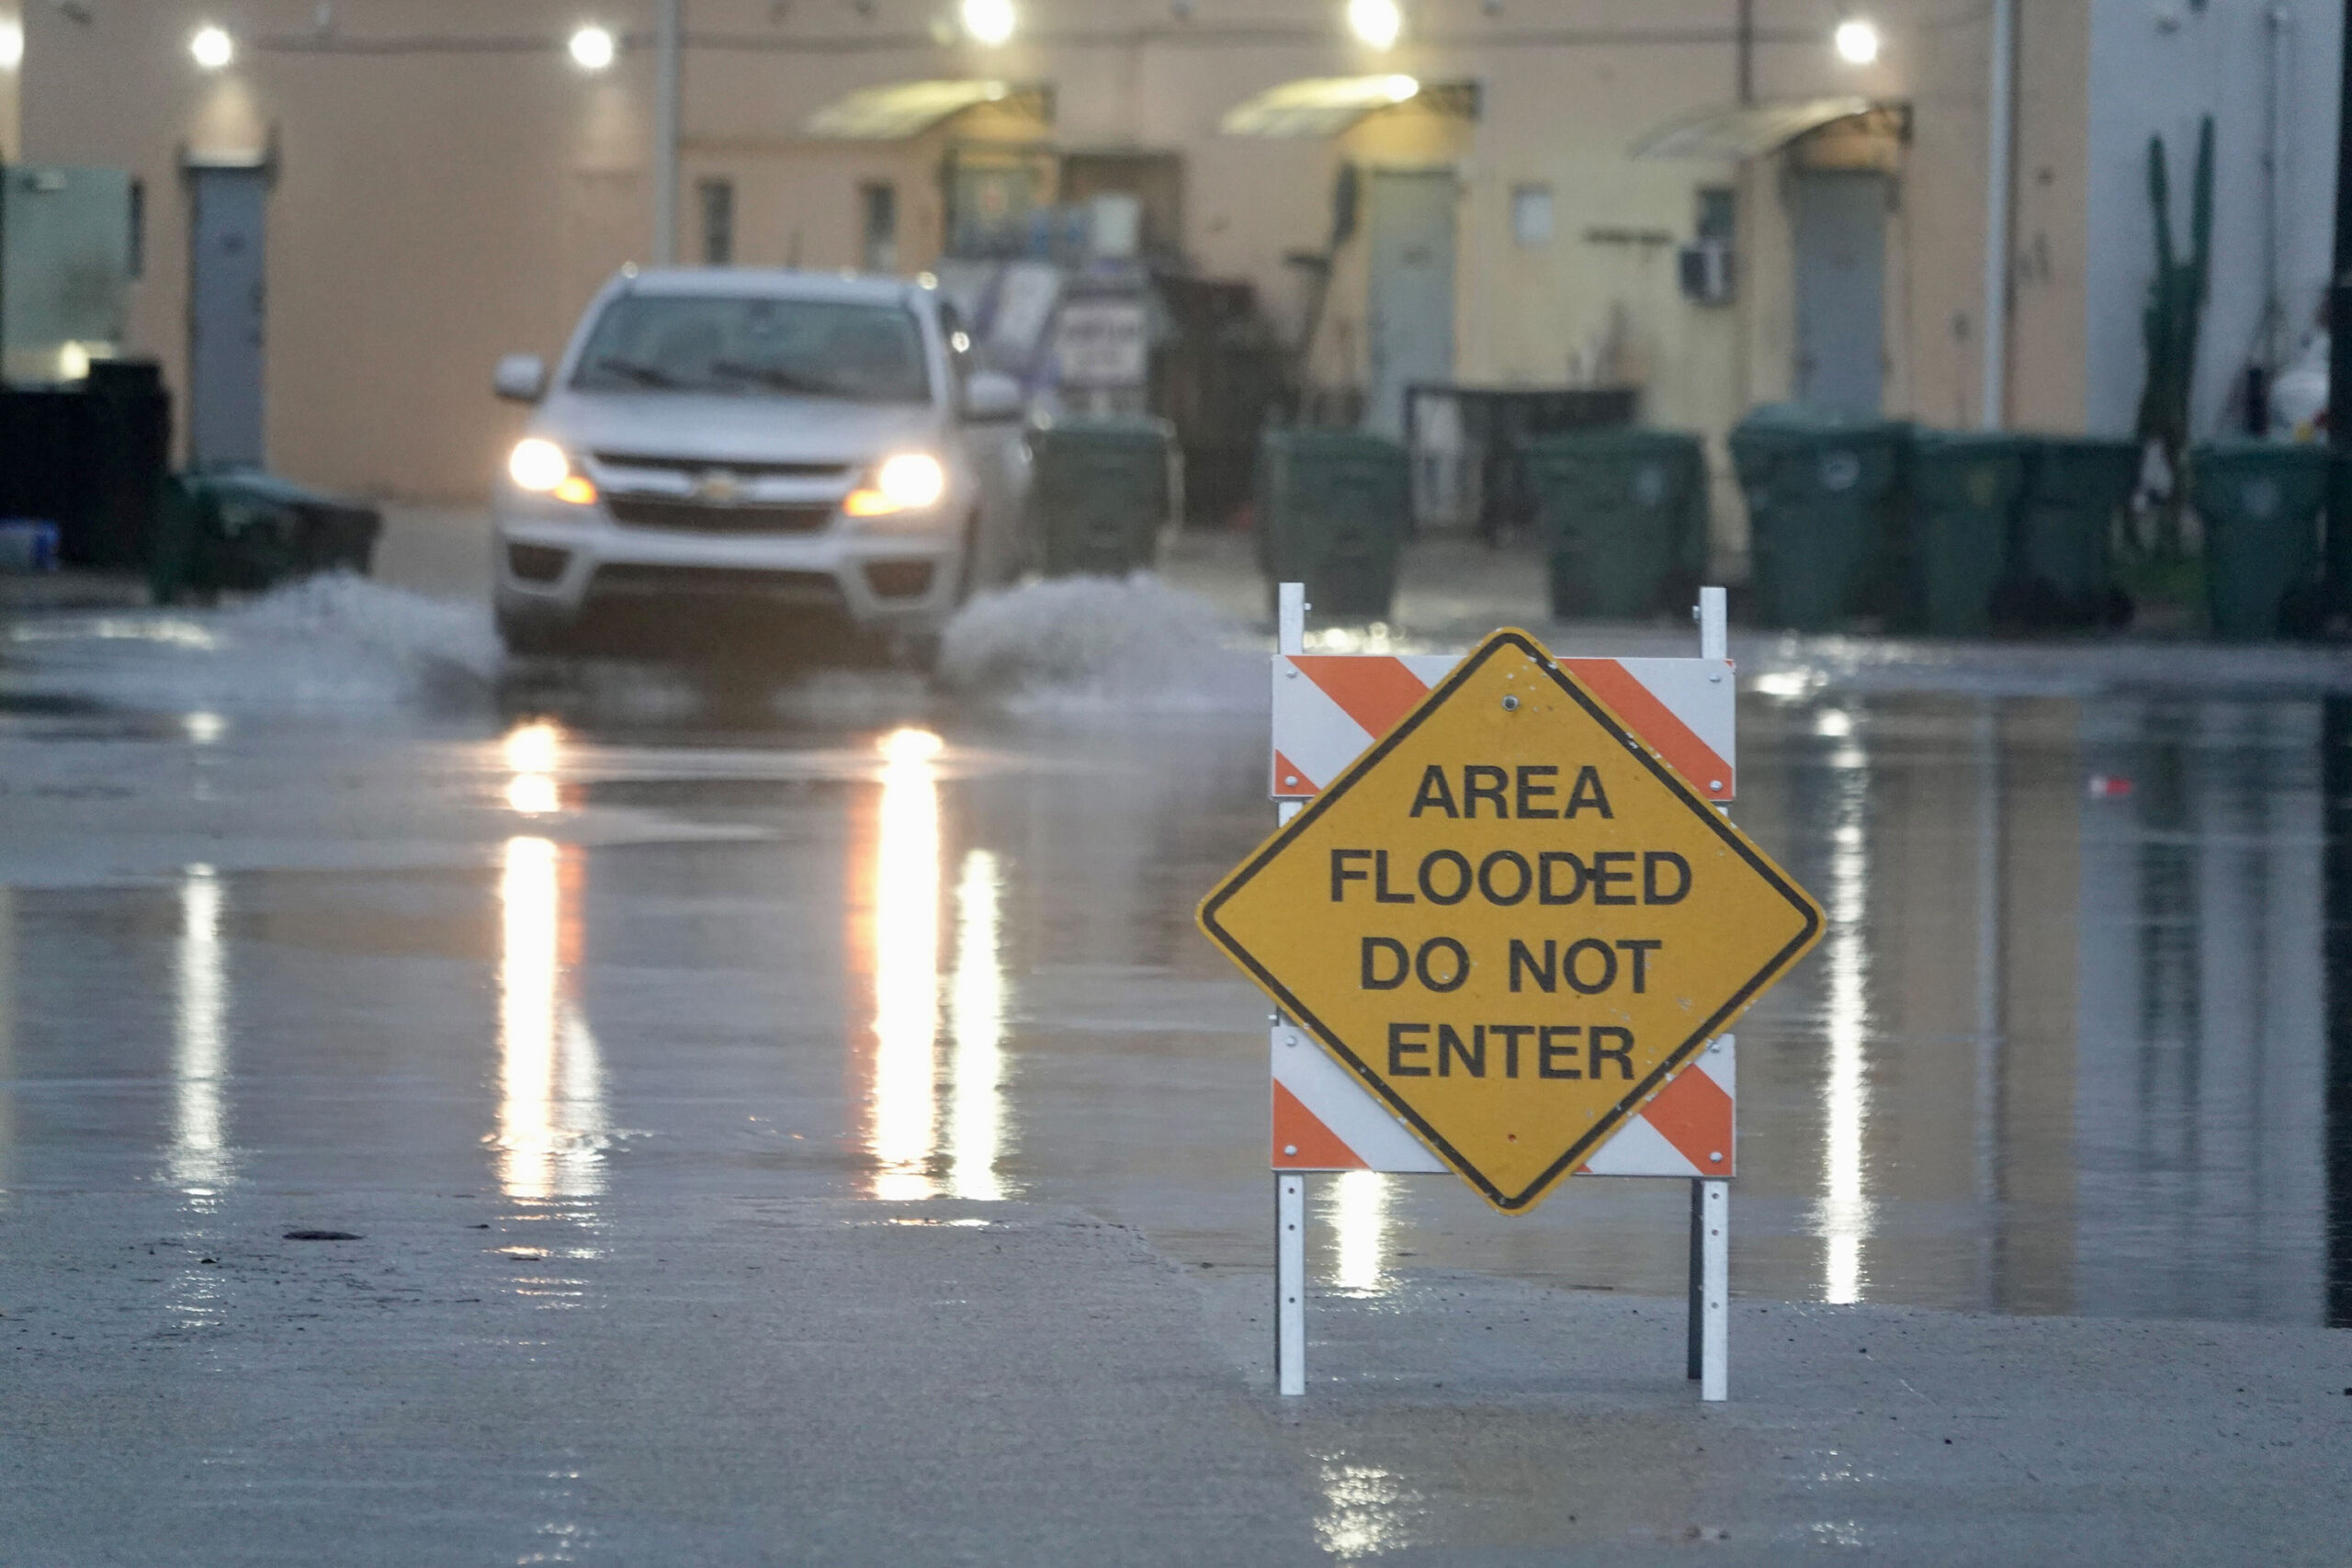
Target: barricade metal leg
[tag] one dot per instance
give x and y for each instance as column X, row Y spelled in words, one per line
column 1290, row 1187
column 1697, row 1361
column 1290, row 1283
column 1711, row 1201
column 1714, row 1202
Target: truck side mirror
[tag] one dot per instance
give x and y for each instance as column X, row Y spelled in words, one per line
column 520, row 377
column 992, row 397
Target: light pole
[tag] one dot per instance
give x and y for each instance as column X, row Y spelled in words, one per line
column 2000, row 179
column 1746, row 46
column 2339, row 292
column 668, row 49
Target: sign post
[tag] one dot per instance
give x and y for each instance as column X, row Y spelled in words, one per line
column 1514, row 917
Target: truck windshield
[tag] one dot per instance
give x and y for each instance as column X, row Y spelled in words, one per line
column 756, row 347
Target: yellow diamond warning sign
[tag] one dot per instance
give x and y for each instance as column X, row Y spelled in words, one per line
column 1512, row 921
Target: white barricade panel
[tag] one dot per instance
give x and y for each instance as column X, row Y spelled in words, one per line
column 1328, row 707
column 1325, row 1120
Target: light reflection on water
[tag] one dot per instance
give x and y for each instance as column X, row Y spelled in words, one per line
column 903, row 1108
column 1367, row 1510
column 894, row 937
column 7, row 1040
column 200, row 1163
column 532, row 752
column 976, row 1016
column 1844, row 1216
column 551, row 1117
column 1359, row 1220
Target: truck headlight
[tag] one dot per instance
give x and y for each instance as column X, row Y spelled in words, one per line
column 910, row 481
column 539, row 466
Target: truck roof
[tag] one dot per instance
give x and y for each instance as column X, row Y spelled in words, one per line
column 775, row 283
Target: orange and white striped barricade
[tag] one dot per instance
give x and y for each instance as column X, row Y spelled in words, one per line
column 1328, row 708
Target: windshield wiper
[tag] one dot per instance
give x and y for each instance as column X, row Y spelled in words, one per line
column 636, row 370
column 776, row 378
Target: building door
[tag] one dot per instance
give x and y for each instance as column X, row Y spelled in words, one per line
column 224, row 313
column 1410, row 318
column 1840, row 222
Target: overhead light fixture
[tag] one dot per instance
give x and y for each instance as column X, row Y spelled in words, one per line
column 12, row 44
column 592, row 49
column 213, row 47
column 1857, row 41
column 1401, row 89
column 1375, row 23
column 990, row 22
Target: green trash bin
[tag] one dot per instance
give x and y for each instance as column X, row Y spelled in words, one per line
column 1824, row 497
column 2260, row 502
column 2340, row 534
column 2063, row 572
column 1332, row 511
column 1100, row 490
column 1624, row 518
column 1963, row 490
column 244, row 530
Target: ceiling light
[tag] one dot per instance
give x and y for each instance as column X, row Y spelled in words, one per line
column 989, row 22
column 1375, row 22
column 1857, row 43
column 213, row 47
column 592, row 49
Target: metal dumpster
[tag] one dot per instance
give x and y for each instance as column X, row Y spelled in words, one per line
column 90, row 458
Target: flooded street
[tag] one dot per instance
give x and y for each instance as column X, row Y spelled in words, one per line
column 2064, row 1048
column 563, row 962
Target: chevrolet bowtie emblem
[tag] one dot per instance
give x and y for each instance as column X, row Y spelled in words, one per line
column 719, row 485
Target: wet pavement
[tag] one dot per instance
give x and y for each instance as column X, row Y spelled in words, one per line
column 762, row 1026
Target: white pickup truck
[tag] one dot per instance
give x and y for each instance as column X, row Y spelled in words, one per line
column 809, row 443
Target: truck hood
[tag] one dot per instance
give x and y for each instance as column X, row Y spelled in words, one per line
column 729, row 429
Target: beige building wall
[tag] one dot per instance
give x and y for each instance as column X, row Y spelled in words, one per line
column 432, row 206
column 12, row 28
column 450, row 185
column 2047, row 278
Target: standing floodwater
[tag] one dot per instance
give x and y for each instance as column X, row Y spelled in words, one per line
column 2064, row 1048
column 514, row 1097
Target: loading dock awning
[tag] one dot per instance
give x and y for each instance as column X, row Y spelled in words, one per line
column 899, row 110
column 1752, row 131
column 1326, row 106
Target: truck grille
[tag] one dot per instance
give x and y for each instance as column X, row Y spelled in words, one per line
column 815, row 588
column 698, row 517
column 746, row 470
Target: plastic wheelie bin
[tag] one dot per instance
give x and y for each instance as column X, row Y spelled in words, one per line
column 1964, row 488
column 242, row 529
column 1824, row 497
column 2063, row 572
column 1332, row 510
column 1100, row 493
column 2260, row 502
column 1623, row 514
column 2337, row 530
